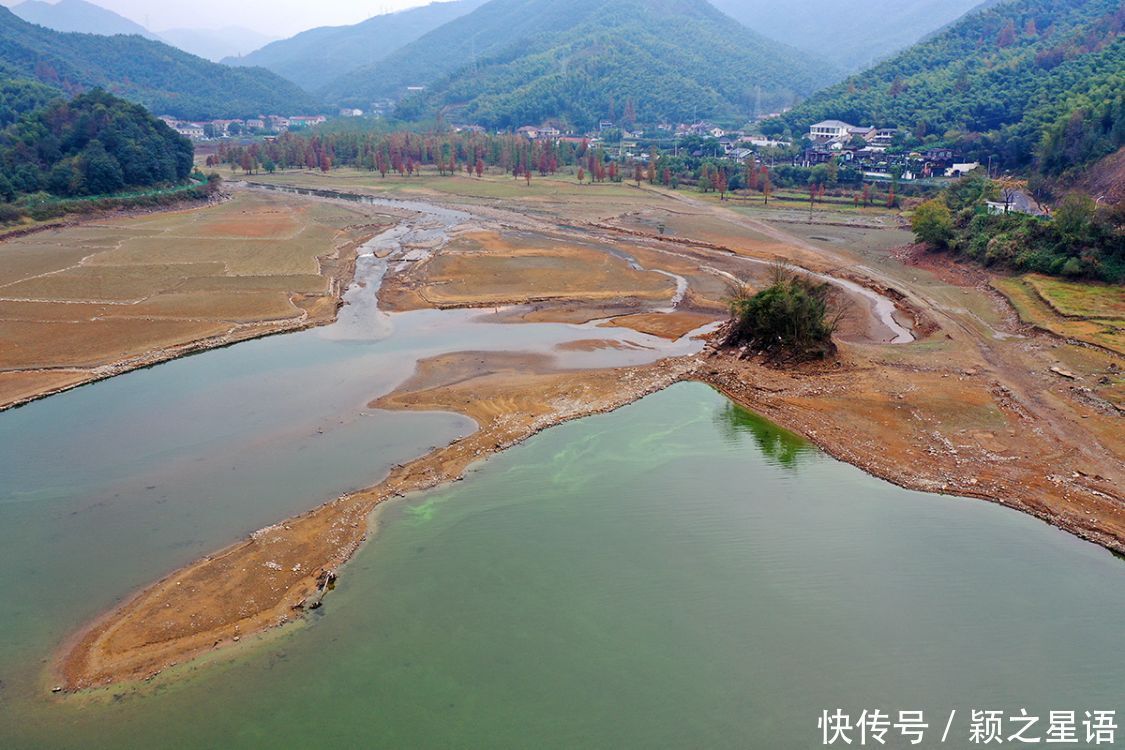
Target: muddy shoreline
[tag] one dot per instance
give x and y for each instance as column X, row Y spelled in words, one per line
column 743, row 394
column 160, row 357
column 332, row 533
column 320, row 541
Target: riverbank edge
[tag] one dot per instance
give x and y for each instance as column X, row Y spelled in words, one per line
column 740, row 394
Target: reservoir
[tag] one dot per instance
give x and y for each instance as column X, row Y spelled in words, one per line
column 679, row 573
column 676, row 574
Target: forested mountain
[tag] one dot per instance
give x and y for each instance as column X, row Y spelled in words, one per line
column 18, row 97
column 513, row 62
column 215, row 44
column 1091, row 131
column 852, row 36
column 315, row 57
column 95, row 144
column 992, row 83
column 78, row 15
column 164, row 79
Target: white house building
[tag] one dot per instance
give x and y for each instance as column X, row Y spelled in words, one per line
column 839, row 131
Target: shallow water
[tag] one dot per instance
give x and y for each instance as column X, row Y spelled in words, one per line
column 108, row 487
column 676, row 574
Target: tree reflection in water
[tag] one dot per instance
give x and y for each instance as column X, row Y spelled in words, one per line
column 779, row 446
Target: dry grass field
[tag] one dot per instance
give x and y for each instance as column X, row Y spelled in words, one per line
column 83, row 301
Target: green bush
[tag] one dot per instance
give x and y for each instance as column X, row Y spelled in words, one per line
column 790, row 319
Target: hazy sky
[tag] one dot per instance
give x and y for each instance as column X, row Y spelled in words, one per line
column 278, row 18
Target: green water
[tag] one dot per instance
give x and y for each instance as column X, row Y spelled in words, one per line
column 677, row 574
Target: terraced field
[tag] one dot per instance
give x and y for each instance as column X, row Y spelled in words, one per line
column 83, row 302
column 1093, row 313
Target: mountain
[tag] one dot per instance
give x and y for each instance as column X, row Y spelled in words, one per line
column 215, row 44
column 164, row 79
column 852, row 36
column 993, row 83
column 513, row 62
column 78, row 15
column 95, row 144
column 87, row 18
column 313, row 58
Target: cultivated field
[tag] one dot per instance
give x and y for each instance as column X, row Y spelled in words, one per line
column 81, row 302
column 1094, row 313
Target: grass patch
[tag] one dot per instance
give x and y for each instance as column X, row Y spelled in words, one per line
column 1080, row 300
column 1034, row 310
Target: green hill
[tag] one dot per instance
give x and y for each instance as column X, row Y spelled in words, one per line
column 513, row 62
column 95, row 144
column 992, row 83
column 315, row 57
column 162, row 78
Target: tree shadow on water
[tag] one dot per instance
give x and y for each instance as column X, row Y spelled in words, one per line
column 779, row 446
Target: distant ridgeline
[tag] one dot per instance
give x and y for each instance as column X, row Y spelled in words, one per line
column 314, row 58
column 515, row 62
column 995, row 83
column 162, row 78
column 93, row 145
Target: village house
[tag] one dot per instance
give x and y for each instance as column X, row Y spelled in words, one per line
column 761, row 141
column 838, row 131
column 1016, row 201
column 304, row 121
column 883, row 136
column 701, row 128
column 382, row 107
column 960, row 170
column 190, row 130
column 940, row 155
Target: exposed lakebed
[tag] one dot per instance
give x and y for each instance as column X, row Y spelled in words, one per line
column 677, row 573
